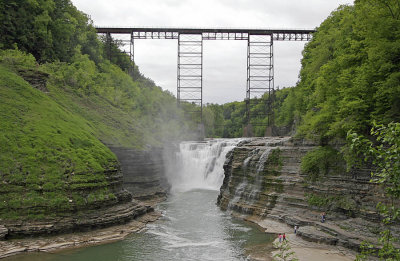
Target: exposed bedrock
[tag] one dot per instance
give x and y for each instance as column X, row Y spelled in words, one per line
column 128, row 191
column 81, row 221
column 263, row 179
column 143, row 172
column 97, row 209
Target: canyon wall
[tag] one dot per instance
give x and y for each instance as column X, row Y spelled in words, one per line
column 132, row 187
column 92, row 204
column 263, row 180
column 143, row 172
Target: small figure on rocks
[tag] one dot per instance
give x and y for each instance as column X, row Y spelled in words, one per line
column 280, row 237
column 295, row 230
column 323, row 216
column 284, row 237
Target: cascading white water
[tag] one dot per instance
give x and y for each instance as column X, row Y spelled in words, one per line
column 250, row 190
column 240, row 189
column 199, row 165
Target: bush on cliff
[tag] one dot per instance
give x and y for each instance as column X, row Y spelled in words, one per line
column 350, row 72
column 317, row 163
column 383, row 151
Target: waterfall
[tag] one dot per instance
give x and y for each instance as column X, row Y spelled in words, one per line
column 246, row 192
column 240, row 189
column 199, row 165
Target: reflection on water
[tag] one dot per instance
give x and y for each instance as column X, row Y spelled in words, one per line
column 192, row 228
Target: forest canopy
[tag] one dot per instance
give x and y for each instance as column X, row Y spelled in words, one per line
column 350, row 77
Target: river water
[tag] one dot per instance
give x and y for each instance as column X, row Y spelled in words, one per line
column 192, row 226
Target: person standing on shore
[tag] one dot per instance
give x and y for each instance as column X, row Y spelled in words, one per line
column 295, row 230
column 323, row 215
column 284, row 237
column 280, row 237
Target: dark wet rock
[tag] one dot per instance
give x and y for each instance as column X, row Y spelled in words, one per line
column 143, row 172
column 37, row 79
column 141, row 178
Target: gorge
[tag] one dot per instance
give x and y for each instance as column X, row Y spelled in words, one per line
column 91, row 150
column 258, row 179
column 191, row 225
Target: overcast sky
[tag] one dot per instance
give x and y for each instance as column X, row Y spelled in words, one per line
column 224, row 74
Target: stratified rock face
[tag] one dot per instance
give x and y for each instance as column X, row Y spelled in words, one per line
column 104, row 203
column 263, row 179
column 252, row 180
column 81, row 221
column 3, row 232
column 37, row 79
column 143, row 172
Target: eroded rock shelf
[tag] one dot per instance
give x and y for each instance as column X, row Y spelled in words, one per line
column 277, row 190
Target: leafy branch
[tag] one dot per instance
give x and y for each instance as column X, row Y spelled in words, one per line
column 285, row 252
column 384, row 153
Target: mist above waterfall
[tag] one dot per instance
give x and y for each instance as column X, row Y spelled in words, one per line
column 198, row 165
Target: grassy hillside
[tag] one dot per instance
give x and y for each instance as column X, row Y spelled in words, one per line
column 46, row 152
column 54, row 158
column 52, row 152
column 122, row 112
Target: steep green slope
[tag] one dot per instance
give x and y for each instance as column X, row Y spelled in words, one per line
column 89, row 77
column 54, row 159
column 350, row 72
column 47, row 154
column 122, row 112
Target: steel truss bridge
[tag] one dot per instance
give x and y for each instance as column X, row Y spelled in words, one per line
column 260, row 60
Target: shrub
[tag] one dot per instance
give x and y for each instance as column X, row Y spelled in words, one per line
column 320, row 161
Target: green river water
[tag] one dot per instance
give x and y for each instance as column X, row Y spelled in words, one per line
column 192, row 227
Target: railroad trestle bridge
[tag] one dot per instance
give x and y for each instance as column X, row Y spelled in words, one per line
column 260, row 59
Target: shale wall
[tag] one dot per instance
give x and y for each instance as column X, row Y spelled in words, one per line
column 263, row 179
column 143, row 172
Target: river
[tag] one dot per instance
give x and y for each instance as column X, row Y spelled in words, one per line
column 192, row 226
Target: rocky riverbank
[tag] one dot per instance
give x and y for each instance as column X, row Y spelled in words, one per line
column 304, row 250
column 138, row 184
column 263, row 181
column 78, row 239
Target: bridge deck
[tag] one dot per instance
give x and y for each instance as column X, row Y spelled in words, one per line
column 209, row 33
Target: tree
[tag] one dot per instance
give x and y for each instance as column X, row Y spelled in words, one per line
column 285, row 252
column 384, row 153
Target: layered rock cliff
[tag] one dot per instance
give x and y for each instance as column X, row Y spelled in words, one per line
column 91, row 204
column 120, row 197
column 263, row 179
column 143, row 172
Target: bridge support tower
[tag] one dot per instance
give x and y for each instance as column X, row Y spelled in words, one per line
column 190, row 74
column 260, row 82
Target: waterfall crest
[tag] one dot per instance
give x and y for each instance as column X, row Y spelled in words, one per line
column 199, row 165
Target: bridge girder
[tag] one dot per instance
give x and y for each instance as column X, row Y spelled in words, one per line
column 260, row 65
column 209, row 33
